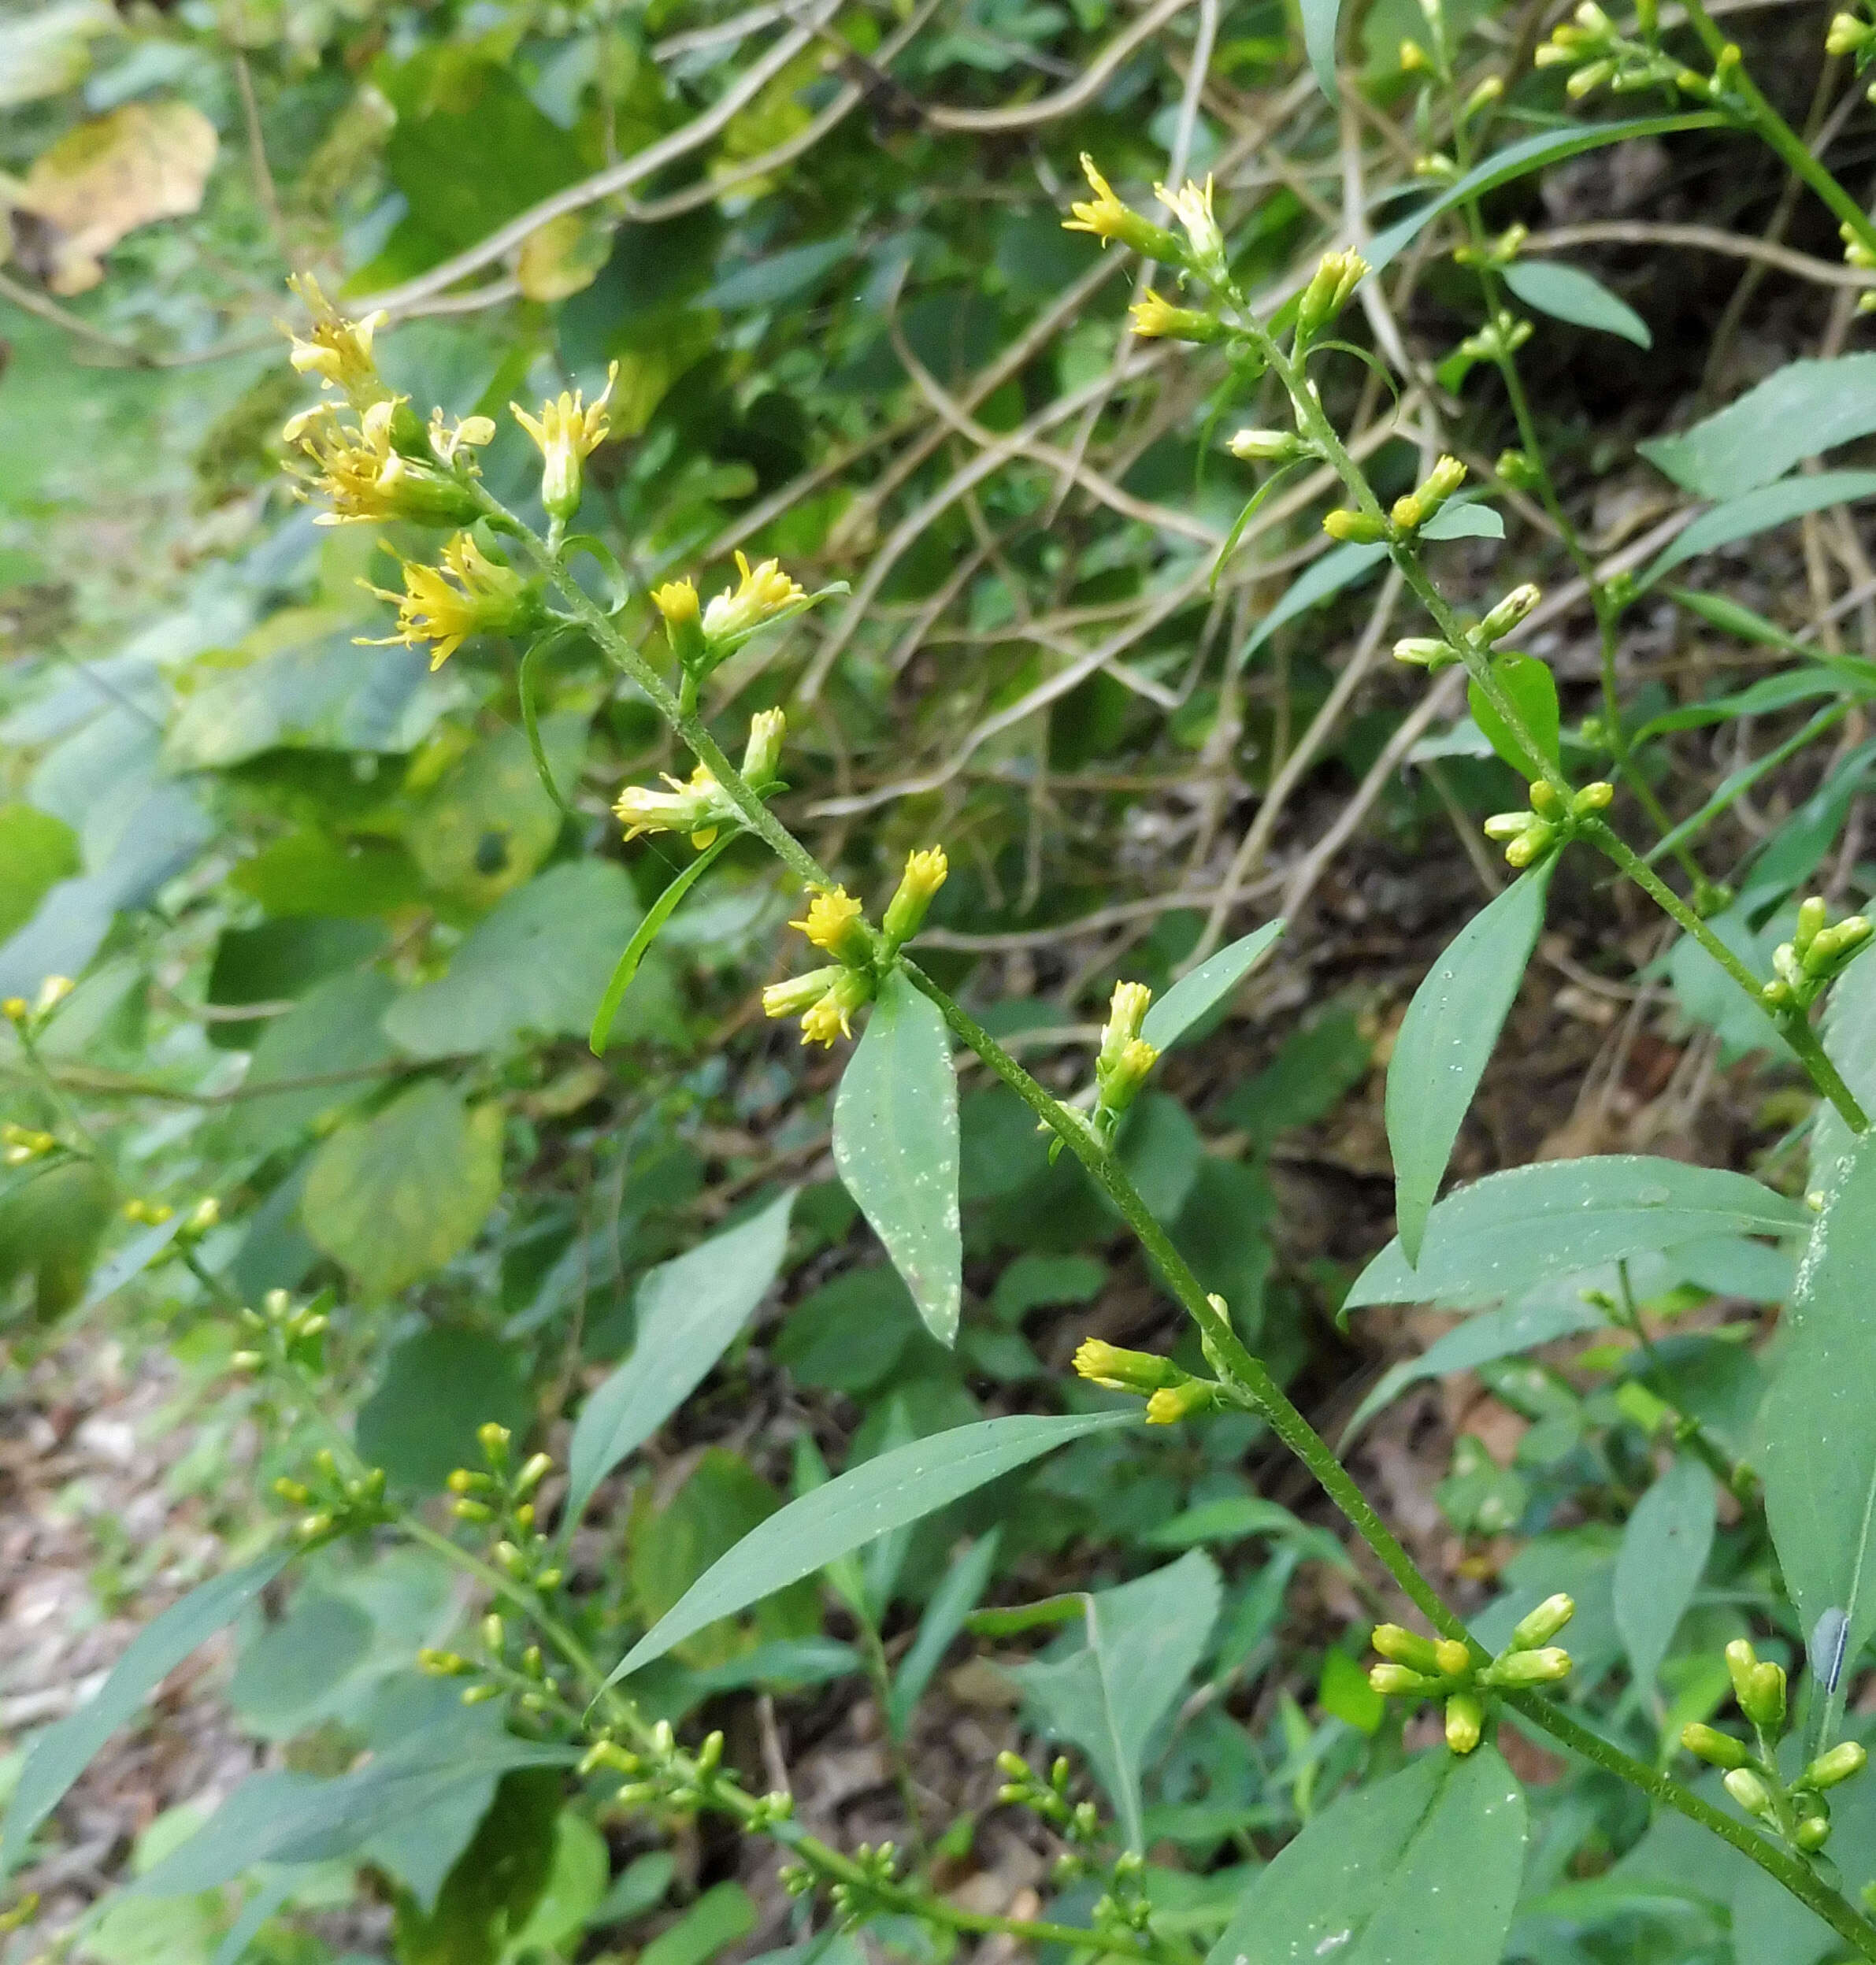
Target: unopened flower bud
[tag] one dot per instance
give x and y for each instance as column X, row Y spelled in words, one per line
column 1547, row 801
column 682, row 613
column 1465, row 1721
column 1425, row 652
column 1539, row 1626
column 1763, row 1701
column 1126, row 1012
column 1544, row 1666
column 1172, row 1403
column 1530, row 845
column 1115, row 1369
column 1405, row 1647
column 1812, row 1833
column 1847, row 1757
column 1355, row 528
column 493, row 1439
column 1750, row 1792
column 1268, row 446
column 1718, row 1749
column 534, row 1469
column 1596, row 796
column 1157, row 319
column 1396, row 1682
column 762, row 755
column 1846, row 35
column 1327, row 292
column 1421, row 503
column 1509, row 612
column 1454, row 1658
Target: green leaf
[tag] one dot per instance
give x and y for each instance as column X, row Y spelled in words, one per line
column 1194, row 996
column 869, row 1500
column 1464, row 518
column 331, row 1034
column 688, row 1310
column 1849, row 1033
column 1423, row 1868
column 493, row 1887
column 487, row 824
column 574, row 1890
column 1345, row 1694
column 1533, row 692
column 1758, row 511
column 643, row 936
column 1448, row 1037
column 1663, row 1554
column 1340, row 567
column 438, row 1386
column 1802, row 409
column 724, row 1914
column 1319, row 19
column 395, row 1196
column 1494, row 1333
column 1141, row 1643
column 1504, row 1234
column 534, row 966
column 1567, row 293
column 1520, row 160
column 1819, row 1418
column 895, row 1148
column 37, row 851
column 63, row 1752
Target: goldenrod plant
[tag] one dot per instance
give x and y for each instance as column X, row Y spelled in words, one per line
column 1687, row 1517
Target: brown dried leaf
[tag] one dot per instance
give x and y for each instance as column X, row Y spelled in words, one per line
column 144, row 162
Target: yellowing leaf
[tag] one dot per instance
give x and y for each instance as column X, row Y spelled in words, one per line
column 144, row 162
column 563, row 256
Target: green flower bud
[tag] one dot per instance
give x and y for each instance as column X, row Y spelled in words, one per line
column 1812, row 1833
column 1520, row 603
column 924, row 875
column 1465, row 1721
column 1396, row 1681
column 1845, row 1758
column 1750, row 1792
column 1268, row 446
column 1597, row 796
column 1762, row 1702
column 1543, row 1666
column 1407, row 1648
column 1355, row 527
column 1454, row 1658
column 1541, row 1625
column 1425, row 653
column 1718, row 1749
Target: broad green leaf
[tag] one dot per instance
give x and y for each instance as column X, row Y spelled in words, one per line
column 1141, row 1642
column 895, row 1148
column 1503, row 1235
column 1819, row 1419
column 1520, row 160
column 1759, row 511
column 1493, row 1333
column 689, row 1309
column 1195, row 996
column 63, row 1752
column 1803, row 408
column 869, row 1500
column 1464, row 518
column 1344, row 1693
column 494, row 1883
column 574, row 1890
column 37, row 851
column 438, row 1387
column 394, row 1197
column 1849, row 1034
column 953, row 1600
column 1663, row 1554
column 1319, row 19
column 1423, row 1868
column 488, row 823
column 1340, row 567
column 1448, row 1037
column 536, row 964
column 332, row 1033
column 1567, row 293
column 724, row 1914
column 1532, row 690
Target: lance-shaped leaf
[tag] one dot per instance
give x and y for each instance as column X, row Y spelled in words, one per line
column 63, row 1752
column 1507, row 1233
column 689, row 1309
column 1663, row 1553
column 1567, row 293
column 869, row 1500
column 1797, row 411
column 1420, row 1869
column 1142, row 1642
column 1819, row 1419
column 1446, row 1039
column 1194, row 996
column 895, row 1148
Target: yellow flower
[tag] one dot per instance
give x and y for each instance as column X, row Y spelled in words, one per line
column 763, row 592
column 1107, row 217
column 824, row 999
column 1115, row 1369
column 1191, row 207
column 1172, row 1403
column 799, row 993
column 825, row 1021
column 1125, row 1015
column 697, row 808
column 338, row 351
column 365, row 477
column 485, row 598
column 833, row 922
column 924, row 874
column 451, row 442
column 1156, row 317
column 677, row 600
column 762, row 755
column 566, row 432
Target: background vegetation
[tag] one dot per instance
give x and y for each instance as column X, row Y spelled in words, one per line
column 337, row 950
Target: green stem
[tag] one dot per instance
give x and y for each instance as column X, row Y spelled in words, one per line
column 1758, row 116
column 1794, row 1026
column 1795, row 1874
column 1734, row 1475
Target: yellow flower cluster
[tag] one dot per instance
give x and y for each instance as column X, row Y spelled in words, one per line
column 468, row 594
column 566, row 432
